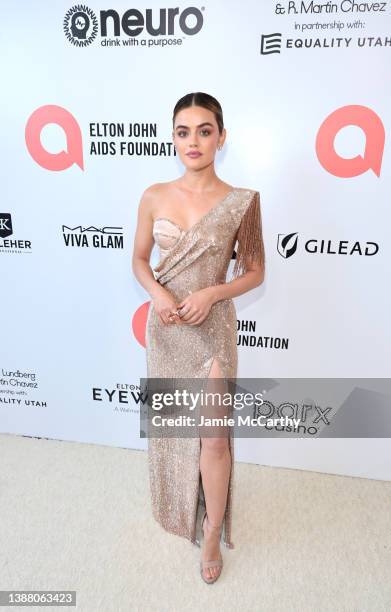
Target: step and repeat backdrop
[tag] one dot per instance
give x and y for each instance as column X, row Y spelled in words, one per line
column 87, row 101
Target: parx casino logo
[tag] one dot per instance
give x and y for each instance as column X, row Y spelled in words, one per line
column 80, row 25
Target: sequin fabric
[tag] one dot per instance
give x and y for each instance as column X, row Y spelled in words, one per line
column 191, row 260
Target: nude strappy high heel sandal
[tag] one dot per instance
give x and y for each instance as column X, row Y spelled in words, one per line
column 206, row 564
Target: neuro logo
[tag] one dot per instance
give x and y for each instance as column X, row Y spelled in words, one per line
column 58, row 115
column 271, row 43
column 371, row 158
column 80, row 25
column 5, row 225
column 287, row 244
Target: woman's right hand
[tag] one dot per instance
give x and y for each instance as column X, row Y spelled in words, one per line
column 164, row 305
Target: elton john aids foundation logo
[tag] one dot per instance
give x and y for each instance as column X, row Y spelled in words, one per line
column 370, row 124
column 80, row 25
column 359, row 116
column 62, row 160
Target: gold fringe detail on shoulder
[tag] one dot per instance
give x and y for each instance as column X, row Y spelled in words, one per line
column 250, row 240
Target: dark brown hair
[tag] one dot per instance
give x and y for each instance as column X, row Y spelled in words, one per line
column 199, row 98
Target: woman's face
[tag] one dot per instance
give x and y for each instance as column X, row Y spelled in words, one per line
column 195, row 129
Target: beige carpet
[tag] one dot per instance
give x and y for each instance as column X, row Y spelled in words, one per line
column 77, row 517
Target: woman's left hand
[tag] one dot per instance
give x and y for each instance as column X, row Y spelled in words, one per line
column 194, row 309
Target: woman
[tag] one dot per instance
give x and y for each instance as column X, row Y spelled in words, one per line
column 196, row 221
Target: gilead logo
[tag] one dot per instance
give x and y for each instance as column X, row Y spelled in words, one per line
column 370, row 123
column 61, row 117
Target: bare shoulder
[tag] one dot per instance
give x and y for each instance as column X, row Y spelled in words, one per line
column 154, row 192
column 157, row 189
column 149, row 199
column 151, row 192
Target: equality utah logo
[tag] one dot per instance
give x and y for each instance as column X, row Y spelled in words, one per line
column 80, row 25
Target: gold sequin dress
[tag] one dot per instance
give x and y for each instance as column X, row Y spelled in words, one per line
column 191, row 260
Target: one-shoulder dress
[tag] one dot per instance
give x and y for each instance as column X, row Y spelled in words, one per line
column 189, row 261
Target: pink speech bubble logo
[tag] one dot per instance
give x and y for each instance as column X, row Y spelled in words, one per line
column 60, row 116
column 373, row 128
column 139, row 323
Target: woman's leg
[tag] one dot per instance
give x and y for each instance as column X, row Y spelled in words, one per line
column 215, row 468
